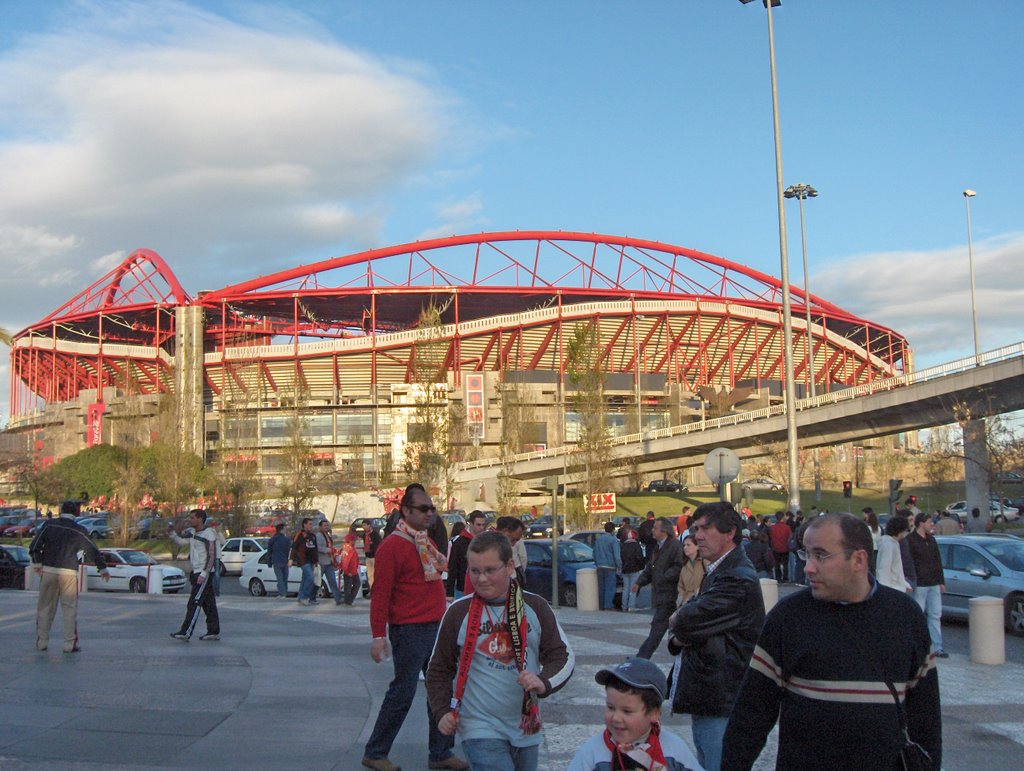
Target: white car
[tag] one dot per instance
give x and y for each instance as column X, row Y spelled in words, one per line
column 237, row 551
column 130, row 572
column 996, row 512
column 258, row 578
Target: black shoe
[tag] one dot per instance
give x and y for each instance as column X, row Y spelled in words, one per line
column 180, row 636
column 942, row 655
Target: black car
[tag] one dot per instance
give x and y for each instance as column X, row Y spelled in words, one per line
column 14, row 561
column 541, row 528
column 665, row 486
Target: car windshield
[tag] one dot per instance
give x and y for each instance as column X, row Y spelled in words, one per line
column 1010, row 553
column 574, row 551
column 20, row 553
column 137, row 558
column 542, row 521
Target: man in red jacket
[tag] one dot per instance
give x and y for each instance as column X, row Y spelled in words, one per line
column 778, row 535
column 406, row 607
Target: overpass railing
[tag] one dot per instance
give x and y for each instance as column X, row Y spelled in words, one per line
column 833, row 397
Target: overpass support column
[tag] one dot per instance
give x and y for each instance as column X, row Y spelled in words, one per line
column 188, row 378
column 976, row 465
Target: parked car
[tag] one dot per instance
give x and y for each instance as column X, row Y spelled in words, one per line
column 666, row 486
column 359, row 526
column 130, row 572
column 21, row 528
column 541, row 527
column 150, row 527
column 14, row 561
column 997, row 511
column 258, row 578
column 266, row 526
column 763, row 483
column 237, row 551
column 1010, row 478
column 983, row 566
column 452, row 518
column 96, row 527
column 572, row 555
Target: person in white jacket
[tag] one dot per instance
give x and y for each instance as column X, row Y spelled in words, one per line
column 889, row 570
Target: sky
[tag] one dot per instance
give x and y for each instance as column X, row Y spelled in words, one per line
column 240, row 138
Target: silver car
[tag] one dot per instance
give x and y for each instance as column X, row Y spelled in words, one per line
column 983, row 566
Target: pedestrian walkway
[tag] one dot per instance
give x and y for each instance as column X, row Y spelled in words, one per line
column 289, row 686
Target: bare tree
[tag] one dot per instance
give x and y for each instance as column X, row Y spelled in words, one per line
column 585, row 369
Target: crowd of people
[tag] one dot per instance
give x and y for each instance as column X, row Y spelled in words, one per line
column 852, row 652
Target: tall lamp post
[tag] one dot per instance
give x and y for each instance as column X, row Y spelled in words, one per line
column 787, row 324
column 801, row 192
column 968, row 195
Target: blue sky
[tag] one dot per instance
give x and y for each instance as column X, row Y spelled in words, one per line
column 240, row 138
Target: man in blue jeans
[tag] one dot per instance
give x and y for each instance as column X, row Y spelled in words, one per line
column 406, row 606
column 279, row 547
column 304, row 554
column 608, row 559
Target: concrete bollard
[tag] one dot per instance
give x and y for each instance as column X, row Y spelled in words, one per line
column 586, row 589
column 154, row 580
column 985, row 625
column 769, row 593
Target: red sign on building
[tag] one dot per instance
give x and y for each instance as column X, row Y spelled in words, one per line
column 475, row 404
column 94, row 424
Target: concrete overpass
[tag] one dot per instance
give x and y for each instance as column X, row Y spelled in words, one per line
column 969, row 388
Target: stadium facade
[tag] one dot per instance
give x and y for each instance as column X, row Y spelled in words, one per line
column 340, row 344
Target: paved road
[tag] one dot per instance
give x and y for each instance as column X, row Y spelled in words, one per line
column 290, row 686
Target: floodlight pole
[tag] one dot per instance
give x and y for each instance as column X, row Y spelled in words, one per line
column 787, row 323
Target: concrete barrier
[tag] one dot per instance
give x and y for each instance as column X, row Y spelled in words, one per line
column 770, row 593
column 987, row 636
column 586, row 589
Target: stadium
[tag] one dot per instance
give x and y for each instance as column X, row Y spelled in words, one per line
column 349, row 356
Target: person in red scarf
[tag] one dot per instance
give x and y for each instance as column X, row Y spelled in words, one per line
column 406, row 607
column 633, row 736
column 499, row 649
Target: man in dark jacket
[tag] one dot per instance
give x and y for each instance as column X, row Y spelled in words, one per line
column 54, row 553
column 665, row 561
column 458, row 562
column 715, row 632
column 279, row 547
column 931, row 581
column 645, row 535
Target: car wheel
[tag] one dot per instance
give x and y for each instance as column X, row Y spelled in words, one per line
column 999, row 518
column 1015, row 614
column 569, row 595
column 221, row 569
column 257, row 589
column 137, row 585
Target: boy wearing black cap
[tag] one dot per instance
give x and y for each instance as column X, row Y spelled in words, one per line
column 633, row 736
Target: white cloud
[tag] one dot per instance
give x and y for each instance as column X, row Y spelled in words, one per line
column 227, row 147
column 926, row 295
column 458, row 216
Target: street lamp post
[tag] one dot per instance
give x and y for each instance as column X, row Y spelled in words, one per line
column 801, row 192
column 968, row 195
column 787, row 324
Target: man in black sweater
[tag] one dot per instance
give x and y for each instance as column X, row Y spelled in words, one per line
column 54, row 553
column 828, row 657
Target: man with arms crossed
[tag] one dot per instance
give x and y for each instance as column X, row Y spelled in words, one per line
column 406, row 607
column 829, row 661
column 498, row 650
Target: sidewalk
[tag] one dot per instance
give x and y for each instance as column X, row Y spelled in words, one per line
column 290, row 686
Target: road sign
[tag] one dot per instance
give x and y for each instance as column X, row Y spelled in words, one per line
column 722, row 465
column 599, row 503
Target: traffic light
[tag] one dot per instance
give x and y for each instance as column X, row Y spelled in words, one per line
column 894, row 490
column 847, row 489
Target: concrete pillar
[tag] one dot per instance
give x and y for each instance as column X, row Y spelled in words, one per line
column 770, row 593
column 586, row 589
column 985, row 625
column 188, row 378
column 976, row 466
